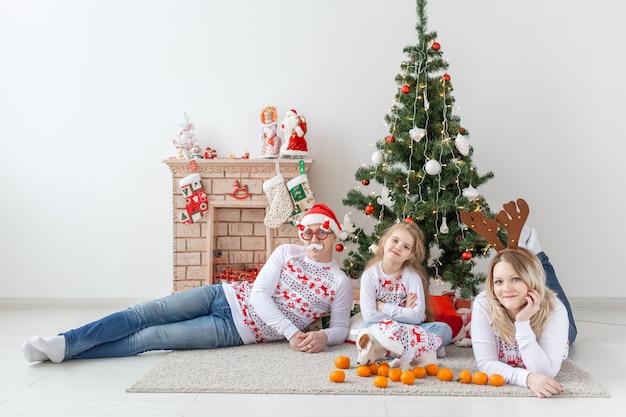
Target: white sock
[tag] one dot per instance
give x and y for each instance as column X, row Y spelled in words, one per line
column 441, row 352
column 31, row 353
column 52, row 346
column 528, row 239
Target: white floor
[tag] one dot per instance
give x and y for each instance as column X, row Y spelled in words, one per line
column 97, row 387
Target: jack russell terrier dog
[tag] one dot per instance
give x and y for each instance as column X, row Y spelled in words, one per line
column 409, row 344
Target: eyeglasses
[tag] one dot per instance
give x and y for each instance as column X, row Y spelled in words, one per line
column 320, row 233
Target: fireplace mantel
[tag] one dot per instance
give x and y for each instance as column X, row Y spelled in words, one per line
column 233, row 224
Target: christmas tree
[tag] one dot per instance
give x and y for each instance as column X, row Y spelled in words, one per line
column 422, row 172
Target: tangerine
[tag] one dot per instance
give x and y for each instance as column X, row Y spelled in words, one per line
column 395, row 374
column 465, row 376
column 419, row 371
column 407, row 377
column 496, row 380
column 445, row 374
column 480, row 378
column 432, row 369
column 383, row 363
column 381, row 381
column 337, row 375
column 383, row 370
column 374, row 368
column 342, row 362
column 363, row 370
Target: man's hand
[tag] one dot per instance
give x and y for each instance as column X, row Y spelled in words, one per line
column 310, row 342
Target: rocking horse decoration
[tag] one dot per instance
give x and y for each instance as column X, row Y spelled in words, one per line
column 511, row 218
column 240, row 192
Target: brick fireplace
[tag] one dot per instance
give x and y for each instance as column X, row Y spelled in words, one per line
column 231, row 236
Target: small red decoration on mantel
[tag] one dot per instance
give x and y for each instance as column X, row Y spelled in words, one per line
column 240, row 192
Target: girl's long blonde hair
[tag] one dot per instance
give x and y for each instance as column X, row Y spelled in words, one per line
column 531, row 272
column 414, row 262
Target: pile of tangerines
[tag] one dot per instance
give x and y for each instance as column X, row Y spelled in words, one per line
column 382, row 374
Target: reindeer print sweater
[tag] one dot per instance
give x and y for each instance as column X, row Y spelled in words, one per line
column 291, row 292
column 393, row 291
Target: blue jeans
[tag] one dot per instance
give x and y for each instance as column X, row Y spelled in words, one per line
column 441, row 329
column 553, row 283
column 199, row 318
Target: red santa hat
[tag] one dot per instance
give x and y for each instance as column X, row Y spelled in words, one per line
column 322, row 214
column 291, row 111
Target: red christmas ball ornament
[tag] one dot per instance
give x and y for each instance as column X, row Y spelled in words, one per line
column 369, row 209
column 339, row 247
column 446, row 77
column 405, row 89
column 390, row 139
column 365, row 182
column 409, row 220
column 462, row 130
column 466, row 256
column 436, row 46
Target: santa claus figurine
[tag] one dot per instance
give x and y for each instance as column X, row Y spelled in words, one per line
column 294, row 128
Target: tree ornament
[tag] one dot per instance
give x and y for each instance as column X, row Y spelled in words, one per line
column 348, row 225
column 405, row 89
column 378, row 157
column 339, row 247
column 462, row 129
column 444, row 226
column 433, row 167
column 466, row 256
column 462, row 144
column 446, row 77
column 409, row 220
column 470, row 193
column 390, row 139
column 365, row 182
column 385, row 199
column 417, row 134
column 436, row 46
column 369, row 209
column 373, row 248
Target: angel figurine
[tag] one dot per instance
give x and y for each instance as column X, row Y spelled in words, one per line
column 271, row 142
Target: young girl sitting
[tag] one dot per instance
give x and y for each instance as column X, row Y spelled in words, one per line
column 395, row 286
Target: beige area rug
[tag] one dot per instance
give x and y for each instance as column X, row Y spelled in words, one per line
column 275, row 368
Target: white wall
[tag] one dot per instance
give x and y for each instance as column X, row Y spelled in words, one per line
column 92, row 92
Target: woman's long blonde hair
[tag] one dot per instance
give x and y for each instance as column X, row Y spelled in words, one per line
column 529, row 268
column 414, row 262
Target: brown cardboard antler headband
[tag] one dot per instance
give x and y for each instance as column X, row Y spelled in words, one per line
column 511, row 218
